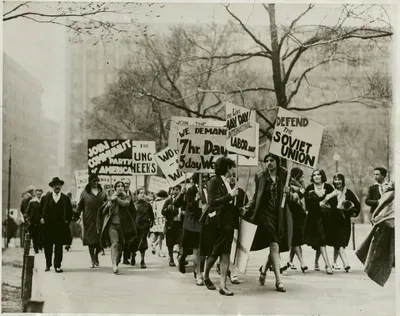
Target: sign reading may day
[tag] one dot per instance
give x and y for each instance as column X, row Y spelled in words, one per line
column 167, row 160
column 241, row 130
column 200, row 147
column 142, row 158
column 297, row 138
column 110, row 156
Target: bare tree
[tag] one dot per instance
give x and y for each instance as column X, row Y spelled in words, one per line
column 91, row 19
column 294, row 53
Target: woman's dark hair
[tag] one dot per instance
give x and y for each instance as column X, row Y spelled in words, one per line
column 383, row 171
column 176, row 186
column 116, row 183
column 223, row 164
column 195, row 178
column 296, row 173
column 140, row 189
column 275, row 157
column 339, row 176
column 162, row 194
column 321, row 172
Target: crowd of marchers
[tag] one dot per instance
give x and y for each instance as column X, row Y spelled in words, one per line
column 200, row 221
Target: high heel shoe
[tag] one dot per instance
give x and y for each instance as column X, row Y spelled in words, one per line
column 291, row 266
column 316, row 267
column 329, row 270
column 347, row 268
column 262, row 276
column 304, row 269
column 279, row 287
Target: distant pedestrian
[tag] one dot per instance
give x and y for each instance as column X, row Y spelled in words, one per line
column 26, row 197
column 144, row 221
column 157, row 237
column 56, row 217
column 127, row 252
column 117, row 224
column 376, row 190
column 33, row 216
column 91, row 199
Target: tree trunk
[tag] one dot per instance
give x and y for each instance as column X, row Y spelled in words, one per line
column 279, row 86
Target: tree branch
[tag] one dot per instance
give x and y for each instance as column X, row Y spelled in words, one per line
column 16, row 8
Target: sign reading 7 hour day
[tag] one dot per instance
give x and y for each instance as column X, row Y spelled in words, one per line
column 200, row 147
column 297, row 138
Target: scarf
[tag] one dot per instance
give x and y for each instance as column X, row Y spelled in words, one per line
column 341, row 197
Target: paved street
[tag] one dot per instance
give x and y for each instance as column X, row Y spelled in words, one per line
column 161, row 289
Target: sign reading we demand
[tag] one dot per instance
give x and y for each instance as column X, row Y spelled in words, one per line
column 297, row 138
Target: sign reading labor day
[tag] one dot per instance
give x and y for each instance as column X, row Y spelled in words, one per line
column 142, row 158
column 241, row 130
column 110, row 156
column 297, row 138
column 248, row 161
column 167, row 160
column 179, row 123
column 200, row 147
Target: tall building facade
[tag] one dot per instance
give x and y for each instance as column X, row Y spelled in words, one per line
column 25, row 129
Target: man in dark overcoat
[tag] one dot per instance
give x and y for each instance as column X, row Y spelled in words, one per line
column 56, row 216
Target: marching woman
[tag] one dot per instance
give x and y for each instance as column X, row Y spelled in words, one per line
column 316, row 227
column 92, row 198
column 220, row 219
column 191, row 230
column 118, row 225
column 144, row 221
column 344, row 206
column 295, row 203
column 274, row 223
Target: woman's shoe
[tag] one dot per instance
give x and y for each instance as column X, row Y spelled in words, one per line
column 200, row 282
column 262, row 276
column 225, row 291
column 172, row 263
column 329, row 270
column 279, row 287
column 316, row 267
column 161, row 254
column 234, row 280
column 115, row 270
column 93, row 265
column 291, row 266
column 335, row 266
column 347, row 268
column 282, row 269
column 142, row 265
column 304, row 269
column 209, row 284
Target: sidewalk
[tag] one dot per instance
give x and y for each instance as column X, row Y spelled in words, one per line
column 162, row 289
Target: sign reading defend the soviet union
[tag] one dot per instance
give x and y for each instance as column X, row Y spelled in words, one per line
column 110, row 157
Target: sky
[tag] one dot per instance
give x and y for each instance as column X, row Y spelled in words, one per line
column 41, row 48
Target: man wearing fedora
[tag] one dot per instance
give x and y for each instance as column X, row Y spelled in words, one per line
column 56, row 216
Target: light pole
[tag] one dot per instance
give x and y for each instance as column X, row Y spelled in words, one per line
column 8, row 200
column 336, row 157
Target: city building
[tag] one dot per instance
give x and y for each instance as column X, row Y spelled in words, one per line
column 26, row 130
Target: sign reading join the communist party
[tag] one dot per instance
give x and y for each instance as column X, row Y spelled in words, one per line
column 110, row 156
column 297, row 138
column 200, row 147
column 142, row 158
column 241, row 130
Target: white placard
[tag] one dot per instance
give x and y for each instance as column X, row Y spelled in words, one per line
column 142, row 158
column 156, row 184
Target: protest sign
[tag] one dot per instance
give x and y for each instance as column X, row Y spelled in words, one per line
column 159, row 220
column 200, row 147
column 167, row 160
column 110, row 156
column 142, row 158
column 249, row 161
column 241, row 245
column 157, row 184
column 297, row 138
column 178, row 122
column 82, row 179
column 241, row 130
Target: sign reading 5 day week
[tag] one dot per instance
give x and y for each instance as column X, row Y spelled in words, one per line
column 297, row 138
column 200, row 147
column 142, row 158
column 167, row 160
column 110, row 156
column 241, row 130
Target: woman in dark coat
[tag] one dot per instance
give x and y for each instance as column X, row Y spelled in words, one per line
column 191, row 230
column 144, row 221
column 92, row 198
column 344, row 205
column 274, row 223
column 118, row 225
column 297, row 209
column 317, row 222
